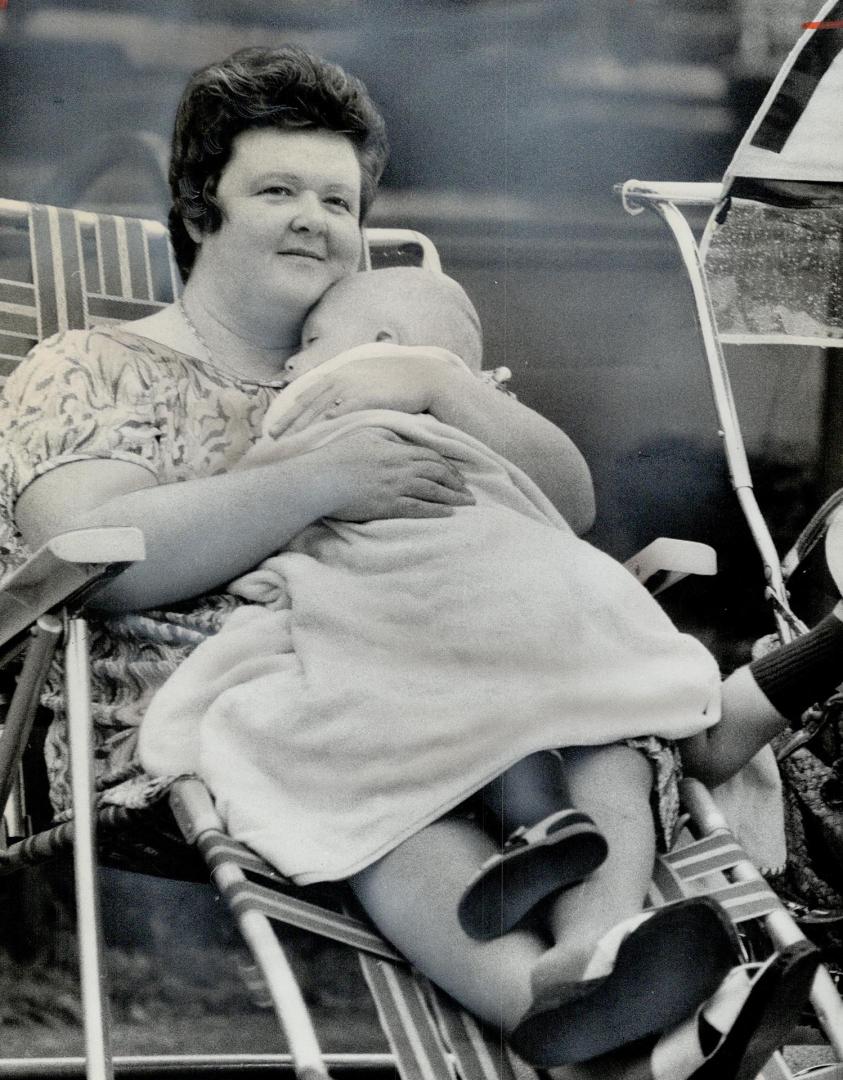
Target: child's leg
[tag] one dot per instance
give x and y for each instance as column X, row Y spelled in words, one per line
column 529, row 791
column 612, row 784
column 412, row 895
column 547, row 845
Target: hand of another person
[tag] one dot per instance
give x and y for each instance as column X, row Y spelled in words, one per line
column 373, row 474
column 401, row 377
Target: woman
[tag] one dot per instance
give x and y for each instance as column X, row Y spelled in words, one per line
column 276, row 156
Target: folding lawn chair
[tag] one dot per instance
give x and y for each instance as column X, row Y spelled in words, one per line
column 80, row 269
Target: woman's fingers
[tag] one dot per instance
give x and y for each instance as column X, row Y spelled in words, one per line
column 420, row 508
column 431, row 491
column 443, row 472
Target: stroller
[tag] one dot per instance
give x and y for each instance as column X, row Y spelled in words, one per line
column 767, row 272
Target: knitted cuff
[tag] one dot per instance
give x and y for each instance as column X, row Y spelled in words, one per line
column 803, row 671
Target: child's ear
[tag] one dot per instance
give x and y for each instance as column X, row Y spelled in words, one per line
column 193, row 231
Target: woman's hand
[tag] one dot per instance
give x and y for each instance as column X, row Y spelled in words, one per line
column 373, row 473
column 406, row 378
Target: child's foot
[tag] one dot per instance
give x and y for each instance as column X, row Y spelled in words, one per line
column 550, row 856
column 648, row 974
column 737, row 1030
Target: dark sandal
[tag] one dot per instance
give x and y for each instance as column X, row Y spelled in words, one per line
column 552, row 855
column 664, row 969
column 776, row 997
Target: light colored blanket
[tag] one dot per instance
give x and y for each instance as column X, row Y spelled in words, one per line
column 411, row 661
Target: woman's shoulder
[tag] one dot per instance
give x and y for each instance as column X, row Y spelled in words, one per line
column 99, row 342
column 99, row 353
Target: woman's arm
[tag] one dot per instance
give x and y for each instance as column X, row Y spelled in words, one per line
column 418, row 380
column 204, row 532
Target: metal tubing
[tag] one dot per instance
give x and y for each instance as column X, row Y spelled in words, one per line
column 724, row 404
column 283, row 988
column 192, row 1064
column 780, row 925
column 78, row 698
column 635, row 193
column 21, row 714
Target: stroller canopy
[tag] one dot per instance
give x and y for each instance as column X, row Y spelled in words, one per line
column 773, row 246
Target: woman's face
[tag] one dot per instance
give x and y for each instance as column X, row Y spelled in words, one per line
column 291, row 209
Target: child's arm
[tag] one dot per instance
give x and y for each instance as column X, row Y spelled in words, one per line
column 748, row 722
column 454, row 395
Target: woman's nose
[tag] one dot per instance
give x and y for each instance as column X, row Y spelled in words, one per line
column 309, row 214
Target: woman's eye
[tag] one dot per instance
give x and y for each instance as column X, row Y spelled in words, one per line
column 275, row 189
column 337, row 200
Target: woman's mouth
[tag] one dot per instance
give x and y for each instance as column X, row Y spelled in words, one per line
column 304, row 253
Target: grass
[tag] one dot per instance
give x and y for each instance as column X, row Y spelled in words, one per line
column 193, row 1000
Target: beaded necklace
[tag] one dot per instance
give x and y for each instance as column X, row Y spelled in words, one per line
column 212, row 360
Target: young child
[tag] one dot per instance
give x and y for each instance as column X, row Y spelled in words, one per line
column 547, row 845
column 596, row 672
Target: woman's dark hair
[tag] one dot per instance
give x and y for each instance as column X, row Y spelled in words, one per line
column 282, row 88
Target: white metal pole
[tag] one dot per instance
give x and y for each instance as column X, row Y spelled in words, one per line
column 99, row 1061
column 724, row 402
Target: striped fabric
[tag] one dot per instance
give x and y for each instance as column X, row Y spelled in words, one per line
column 689, row 869
column 217, row 848
column 406, row 1021
column 71, row 269
column 480, row 1053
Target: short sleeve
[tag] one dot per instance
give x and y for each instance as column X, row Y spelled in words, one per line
column 77, row 396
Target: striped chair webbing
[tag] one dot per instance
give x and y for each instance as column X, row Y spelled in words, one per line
column 403, row 999
column 687, row 871
column 480, row 1052
column 81, row 269
column 406, row 1020
column 217, row 848
column 58, row 840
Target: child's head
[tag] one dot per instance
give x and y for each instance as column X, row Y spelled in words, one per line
column 406, row 304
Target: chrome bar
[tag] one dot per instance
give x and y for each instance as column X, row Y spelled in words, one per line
column 636, row 193
column 284, row 991
column 156, row 1064
column 21, row 713
column 780, row 924
column 99, row 1063
column 724, row 403
column 195, row 814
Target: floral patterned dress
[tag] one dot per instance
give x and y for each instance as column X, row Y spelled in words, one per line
column 108, row 393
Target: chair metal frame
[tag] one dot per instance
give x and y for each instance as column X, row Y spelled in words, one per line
column 430, row 1036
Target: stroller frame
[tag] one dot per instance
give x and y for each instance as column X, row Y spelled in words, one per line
column 665, row 198
column 430, row 1036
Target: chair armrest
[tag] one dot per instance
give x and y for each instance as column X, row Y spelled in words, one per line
column 673, row 558
column 65, row 570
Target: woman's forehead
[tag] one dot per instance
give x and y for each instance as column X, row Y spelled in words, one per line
column 309, row 154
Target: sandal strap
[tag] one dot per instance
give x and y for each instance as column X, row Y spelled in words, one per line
column 546, row 827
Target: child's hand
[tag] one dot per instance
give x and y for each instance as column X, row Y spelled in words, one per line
column 382, row 376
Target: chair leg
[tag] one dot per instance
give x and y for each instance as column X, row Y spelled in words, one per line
column 99, row 1060
column 196, row 815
